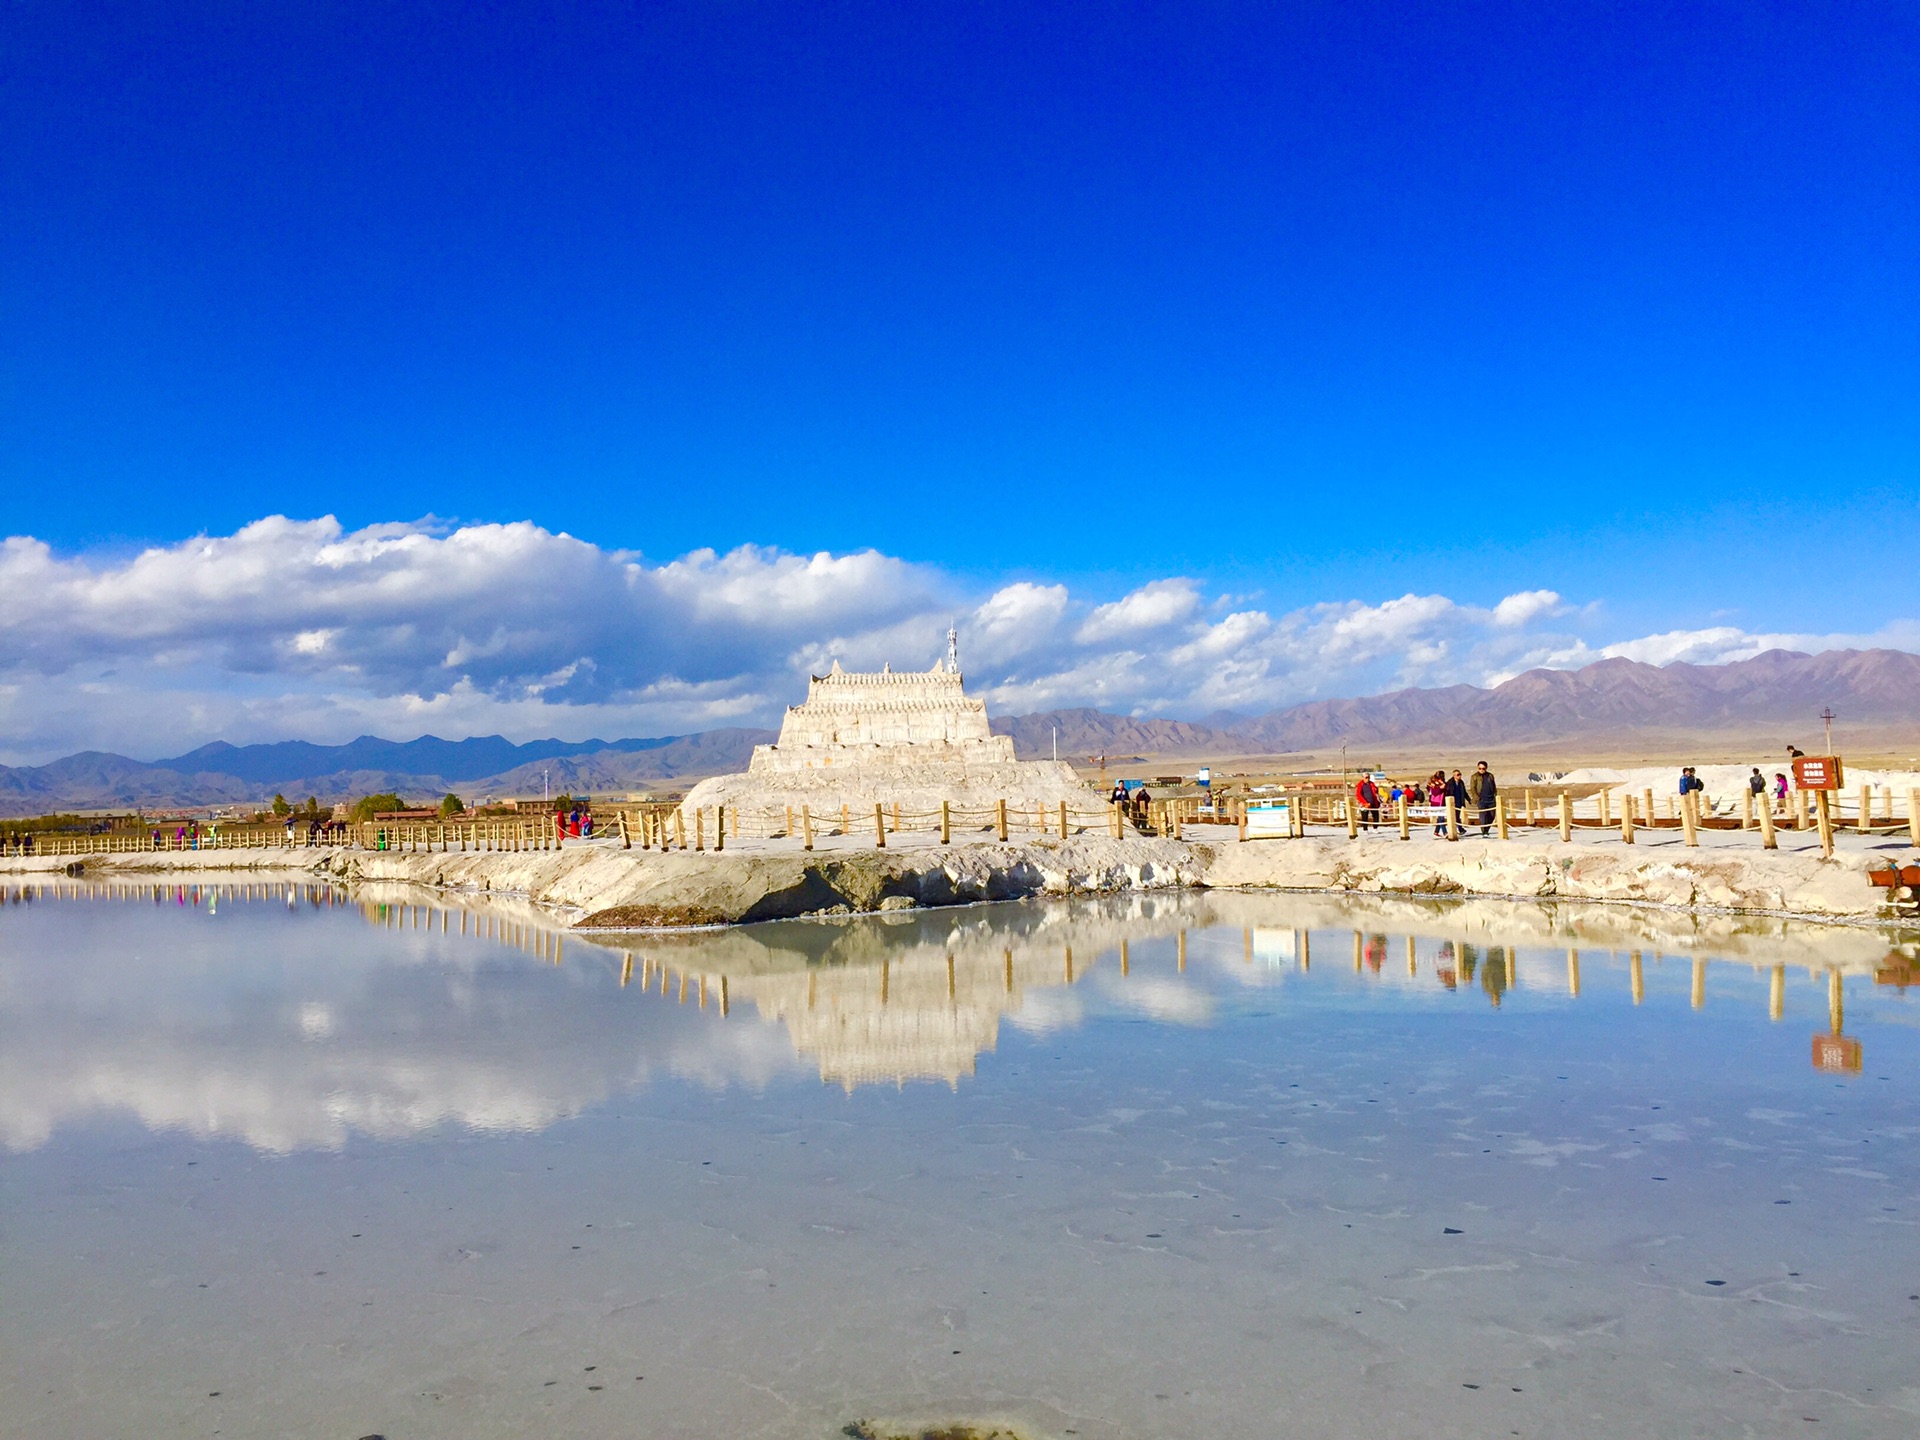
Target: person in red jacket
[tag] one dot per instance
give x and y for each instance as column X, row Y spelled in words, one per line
column 1367, row 795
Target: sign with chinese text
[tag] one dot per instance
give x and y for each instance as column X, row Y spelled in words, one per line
column 1838, row 1054
column 1818, row 772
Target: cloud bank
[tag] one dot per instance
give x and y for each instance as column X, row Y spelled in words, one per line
column 301, row 629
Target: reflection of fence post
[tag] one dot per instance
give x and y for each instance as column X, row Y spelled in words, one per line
column 946, row 822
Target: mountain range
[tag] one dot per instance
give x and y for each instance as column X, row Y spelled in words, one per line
column 1775, row 696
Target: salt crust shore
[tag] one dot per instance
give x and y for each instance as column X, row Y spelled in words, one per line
column 601, row 886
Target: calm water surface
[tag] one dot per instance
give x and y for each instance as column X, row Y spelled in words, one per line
column 288, row 1162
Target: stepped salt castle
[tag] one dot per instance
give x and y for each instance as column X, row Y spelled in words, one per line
column 910, row 738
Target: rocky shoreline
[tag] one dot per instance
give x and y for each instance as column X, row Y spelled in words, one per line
column 604, row 887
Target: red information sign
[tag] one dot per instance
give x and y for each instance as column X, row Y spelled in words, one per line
column 1818, row 772
column 1837, row 1053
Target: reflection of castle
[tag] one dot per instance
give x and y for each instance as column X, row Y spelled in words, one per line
column 924, row 1015
column 919, row 1018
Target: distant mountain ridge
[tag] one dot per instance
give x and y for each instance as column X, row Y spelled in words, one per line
column 223, row 774
column 1777, row 693
column 1780, row 691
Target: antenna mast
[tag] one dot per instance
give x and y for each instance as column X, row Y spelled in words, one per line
column 953, row 650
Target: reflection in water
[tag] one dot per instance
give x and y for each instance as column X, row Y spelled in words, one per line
column 1208, row 1164
column 278, row 1025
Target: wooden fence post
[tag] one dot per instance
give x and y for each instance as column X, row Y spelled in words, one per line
column 879, row 827
column 1648, row 812
column 789, row 820
column 806, row 827
column 626, row 843
column 1500, row 816
column 1566, row 816
column 719, row 828
column 1913, row 817
column 1000, row 819
column 946, row 822
column 1767, row 838
column 700, row 828
column 1746, row 808
column 1605, row 798
column 1114, row 821
column 1866, row 809
column 846, row 820
column 1353, row 819
column 1690, row 819
column 680, row 826
column 1824, row 806
column 1453, row 818
column 1400, row 805
column 1626, row 819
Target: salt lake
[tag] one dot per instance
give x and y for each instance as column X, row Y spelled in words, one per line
column 281, row 1160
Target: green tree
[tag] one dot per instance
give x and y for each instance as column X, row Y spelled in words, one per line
column 313, row 807
column 451, row 805
column 367, row 806
column 281, row 809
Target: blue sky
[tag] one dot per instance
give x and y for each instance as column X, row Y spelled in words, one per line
column 1314, row 305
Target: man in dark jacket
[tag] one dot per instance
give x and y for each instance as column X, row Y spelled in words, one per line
column 1481, row 791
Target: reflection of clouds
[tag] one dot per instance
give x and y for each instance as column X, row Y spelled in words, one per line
column 1172, row 1002
column 291, row 1029
column 1048, row 1010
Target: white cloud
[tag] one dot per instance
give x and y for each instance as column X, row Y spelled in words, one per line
column 301, row 629
column 1153, row 606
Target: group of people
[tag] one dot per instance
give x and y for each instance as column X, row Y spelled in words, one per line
column 1135, row 804
column 1473, row 798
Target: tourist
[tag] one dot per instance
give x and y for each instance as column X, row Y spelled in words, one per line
column 1368, row 795
column 1780, row 789
column 1690, row 782
column 1119, row 795
column 1437, row 800
column 1142, row 808
column 1756, row 783
column 1482, row 790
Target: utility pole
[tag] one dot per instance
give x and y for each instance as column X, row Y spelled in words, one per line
column 1828, row 716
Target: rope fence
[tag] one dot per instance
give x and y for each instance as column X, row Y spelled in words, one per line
column 1256, row 815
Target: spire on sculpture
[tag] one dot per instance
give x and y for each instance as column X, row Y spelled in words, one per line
column 953, row 651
